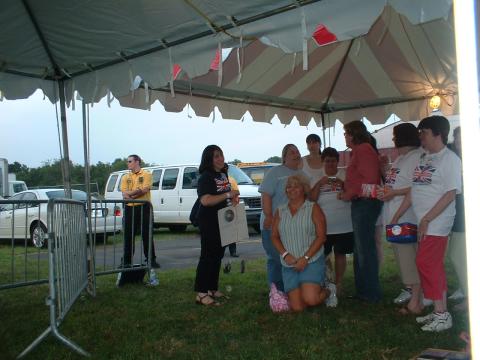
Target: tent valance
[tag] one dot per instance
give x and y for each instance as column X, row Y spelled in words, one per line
column 101, row 46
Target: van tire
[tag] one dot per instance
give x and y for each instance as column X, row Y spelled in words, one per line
column 177, row 228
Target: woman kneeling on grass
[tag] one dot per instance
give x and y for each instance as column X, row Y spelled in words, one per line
column 298, row 233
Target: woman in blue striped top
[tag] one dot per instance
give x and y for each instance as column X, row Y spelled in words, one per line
column 298, row 233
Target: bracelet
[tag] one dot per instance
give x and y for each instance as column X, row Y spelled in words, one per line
column 284, row 255
column 228, row 195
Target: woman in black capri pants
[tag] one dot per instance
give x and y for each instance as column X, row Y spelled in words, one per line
column 213, row 191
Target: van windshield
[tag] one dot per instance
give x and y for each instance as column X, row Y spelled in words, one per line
column 20, row 186
column 240, row 177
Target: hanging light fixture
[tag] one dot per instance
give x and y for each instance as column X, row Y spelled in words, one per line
column 435, row 102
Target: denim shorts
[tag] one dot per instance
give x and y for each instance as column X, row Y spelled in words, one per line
column 314, row 273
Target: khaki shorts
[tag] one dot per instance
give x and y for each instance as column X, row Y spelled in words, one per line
column 405, row 255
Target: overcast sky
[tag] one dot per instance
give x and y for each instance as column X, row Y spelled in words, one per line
column 29, row 134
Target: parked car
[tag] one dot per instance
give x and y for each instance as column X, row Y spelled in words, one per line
column 256, row 171
column 174, row 192
column 30, row 219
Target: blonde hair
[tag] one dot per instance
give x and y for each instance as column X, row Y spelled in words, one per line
column 285, row 149
column 299, row 180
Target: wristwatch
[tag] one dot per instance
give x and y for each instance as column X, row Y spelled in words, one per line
column 306, row 257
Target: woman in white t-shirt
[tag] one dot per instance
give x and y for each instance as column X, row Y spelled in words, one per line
column 398, row 181
column 337, row 213
column 436, row 181
column 312, row 164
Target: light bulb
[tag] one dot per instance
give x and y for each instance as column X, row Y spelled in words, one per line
column 434, row 102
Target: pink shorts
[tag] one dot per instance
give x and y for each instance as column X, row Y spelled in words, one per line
column 430, row 265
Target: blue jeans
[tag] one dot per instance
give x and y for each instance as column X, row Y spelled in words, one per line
column 274, row 266
column 365, row 262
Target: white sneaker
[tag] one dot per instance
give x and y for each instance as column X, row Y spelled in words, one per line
column 457, row 295
column 403, row 297
column 332, row 300
column 427, row 302
column 440, row 322
column 424, row 319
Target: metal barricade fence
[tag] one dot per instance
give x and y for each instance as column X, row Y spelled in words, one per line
column 30, row 226
column 24, row 238
column 68, row 272
column 23, row 230
column 110, row 245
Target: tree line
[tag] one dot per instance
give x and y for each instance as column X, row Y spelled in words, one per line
column 50, row 173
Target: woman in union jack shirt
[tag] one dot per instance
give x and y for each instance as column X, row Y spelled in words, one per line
column 398, row 182
column 436, row 181
column 213, row 190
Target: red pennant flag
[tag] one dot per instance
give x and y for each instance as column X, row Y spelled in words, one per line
column 215, row 61
column 176, row 70
column 322, row 36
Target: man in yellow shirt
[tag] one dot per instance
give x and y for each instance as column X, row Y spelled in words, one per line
column 137, row 217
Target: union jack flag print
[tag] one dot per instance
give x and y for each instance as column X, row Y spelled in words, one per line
column 391, row 176
column 222, row 185
column 423, row 174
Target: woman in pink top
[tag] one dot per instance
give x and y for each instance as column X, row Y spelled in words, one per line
column 364, row 168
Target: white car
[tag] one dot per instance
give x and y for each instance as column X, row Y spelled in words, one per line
column 29, row 220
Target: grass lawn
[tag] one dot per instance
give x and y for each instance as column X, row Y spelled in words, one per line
column 138, row 322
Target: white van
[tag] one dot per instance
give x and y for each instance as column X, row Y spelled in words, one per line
column 174, row 191
column 16, row 186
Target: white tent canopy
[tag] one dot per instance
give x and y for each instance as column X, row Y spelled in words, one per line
column 101, row 46
column 395, row 68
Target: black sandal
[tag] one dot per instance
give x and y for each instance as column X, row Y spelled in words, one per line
column 204, row 300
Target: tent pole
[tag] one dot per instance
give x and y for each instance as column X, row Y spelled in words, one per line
column 86, row 156
column 66, row 159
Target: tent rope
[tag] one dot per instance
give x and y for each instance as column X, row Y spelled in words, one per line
column 220, row 65
column 240, row 58
column 304, row 40
column 58, row 134
column 214, row 27
column 172, row 90
column 447, row 73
